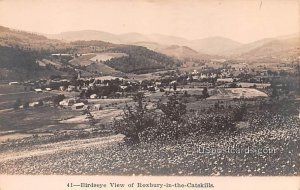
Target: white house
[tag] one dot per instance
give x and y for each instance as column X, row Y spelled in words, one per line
column 71, row 88
column 93, row 96
column 13, row 83
column 34, row 104
column 225, row 80
column 78, row 106
column 62, row 88
column 38, row 90
column 67, row 102
column 96, row 107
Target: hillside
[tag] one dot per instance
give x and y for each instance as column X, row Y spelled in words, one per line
column 140, row 60
column 85, row 35
column 19, row 64
column 280, row 47
column 92, row 46
column 30, row 41
column 184, row 53
column 214, row 45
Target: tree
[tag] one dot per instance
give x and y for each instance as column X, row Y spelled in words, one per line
column 174, row 87
column 135, row 120
column 239, row 113
column 17, row 104
column 57, row 99
column 274, row 91
column 205, row 92
column 26, row 105
column 90, row 117
column 174, row 109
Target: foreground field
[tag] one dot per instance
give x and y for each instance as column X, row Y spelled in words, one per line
column 273, row 139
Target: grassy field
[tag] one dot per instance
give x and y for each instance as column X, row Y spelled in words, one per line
column 107, row 56
column 279, row 135
column 41, row 119
column 10, row 93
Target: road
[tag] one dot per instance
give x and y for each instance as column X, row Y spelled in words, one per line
column 53, row 148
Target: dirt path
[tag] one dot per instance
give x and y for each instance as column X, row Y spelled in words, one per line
column 53, row 148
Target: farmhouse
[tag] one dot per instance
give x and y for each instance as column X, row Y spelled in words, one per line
column 78, row 106
column 70, row 88
column 48, row 89
column 225, row 80
column 34, row 104
column 93, row 96
column 38, row 90
column 62, row 88
column 67, row 102
column 96, row 107
column 13, row 83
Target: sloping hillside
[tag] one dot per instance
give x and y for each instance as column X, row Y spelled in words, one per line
column 276, row 48
column 184, row 53
column 92, row 46
column 280, row 47
column 30, row 41
column 140, row 60
column 214, row 45
column 85, row 35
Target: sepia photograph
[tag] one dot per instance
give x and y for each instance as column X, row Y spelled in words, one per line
column 150, row 88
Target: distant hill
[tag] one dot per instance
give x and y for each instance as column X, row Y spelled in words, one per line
column 184, row 53
column 150, row 45
column 92, row 46
column 276, row 48
column 280, row 48
column 85, row 35
column 30, row 41
column 214, row 45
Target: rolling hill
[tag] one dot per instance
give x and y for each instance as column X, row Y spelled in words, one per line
column 184, row 53
column 30, row 41
column 213, row 45
column 280, row 48
column 140, row 60
column 84, row 35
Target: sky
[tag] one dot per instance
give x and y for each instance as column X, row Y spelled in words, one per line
column 241, row 20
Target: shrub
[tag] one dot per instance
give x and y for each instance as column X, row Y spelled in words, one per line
column 135, row 120
column 174, row 109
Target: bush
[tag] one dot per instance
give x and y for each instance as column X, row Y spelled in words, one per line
column 17, row 104
column 174, row 109
column 239, row 113
column 139, row 124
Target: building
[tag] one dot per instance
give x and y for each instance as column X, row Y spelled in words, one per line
column 67, row 102
column 225, row 80
column 13, row 83
column 93, row 96
column 96, row 107
column 71, row 88
column 62, row 88
column 79, row 106
column 34, row 104
column 38, row 90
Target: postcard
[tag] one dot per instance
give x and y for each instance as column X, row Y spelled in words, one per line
column 149, row 94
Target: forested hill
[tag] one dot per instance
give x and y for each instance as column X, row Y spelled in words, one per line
column 140, row 60
column 31, row 41
column 19, row 62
